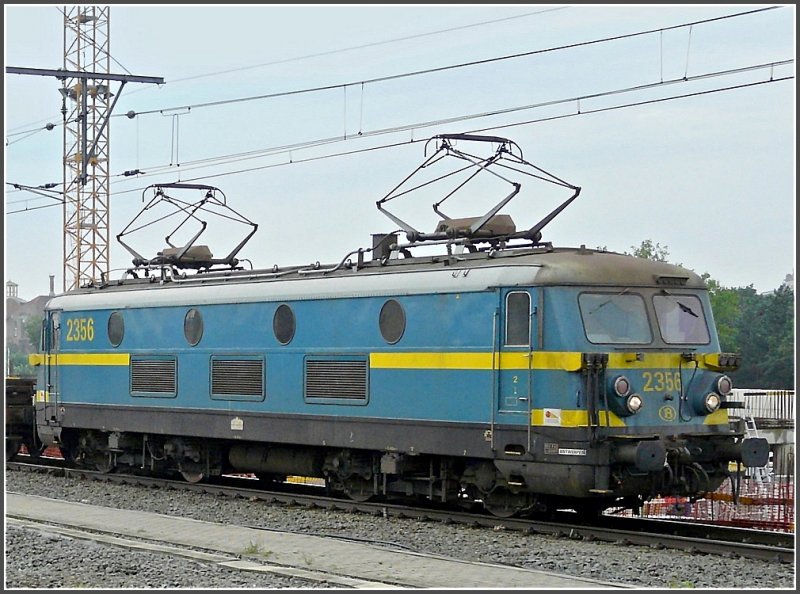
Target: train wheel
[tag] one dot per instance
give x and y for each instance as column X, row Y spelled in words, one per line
column 359, row 489
column 103, row 463
column 192, row 477
column 502, row 503
column 191, row 472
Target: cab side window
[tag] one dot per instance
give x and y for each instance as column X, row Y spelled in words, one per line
column 518, row 319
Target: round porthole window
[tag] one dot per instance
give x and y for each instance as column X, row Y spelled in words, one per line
column 392, row 321
column 193, row 326
column 283, row 324
column 116, row 328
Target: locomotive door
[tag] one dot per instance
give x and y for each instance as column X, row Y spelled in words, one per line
column 49, row 411
column 515, row 380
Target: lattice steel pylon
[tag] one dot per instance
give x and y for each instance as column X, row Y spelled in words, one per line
column 86, row 107
column 85, row 78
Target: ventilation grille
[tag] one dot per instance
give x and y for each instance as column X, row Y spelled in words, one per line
column 336, row 378
column 153, row 375
column 243, row 377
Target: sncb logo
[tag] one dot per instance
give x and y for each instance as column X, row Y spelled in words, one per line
column 667, row 413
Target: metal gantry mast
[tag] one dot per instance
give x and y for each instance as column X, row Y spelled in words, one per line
column 86, row 76
column 86, row 175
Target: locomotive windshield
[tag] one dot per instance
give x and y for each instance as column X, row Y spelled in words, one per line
column 621, row 318
column 681, row 319
column 614, row 318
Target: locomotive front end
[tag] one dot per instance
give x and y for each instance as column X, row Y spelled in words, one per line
column 669, row 431
column 657, row 391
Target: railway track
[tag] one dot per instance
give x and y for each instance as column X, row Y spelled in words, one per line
column 662, row 534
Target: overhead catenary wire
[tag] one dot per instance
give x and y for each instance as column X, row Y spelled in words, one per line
column 293, row 160
column 497, row 127
column 375, row 80
column 317, row 55
column 232, row 158
column 635, row 104
column 284, row 149
column 43, row 192
column 27, row 134
column 426, row 71
column 188, row 108
column 367, row 45
column 155, row 169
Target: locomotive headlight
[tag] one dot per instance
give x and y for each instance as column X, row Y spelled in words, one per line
column 723, row 385
column 622, row 386
column 712, row 402
column 634, row 403
column 624, row 402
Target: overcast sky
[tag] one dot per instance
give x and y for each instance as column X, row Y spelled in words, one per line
column 706, row 173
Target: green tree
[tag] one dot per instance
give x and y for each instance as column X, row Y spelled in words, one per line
column 766, row 339
column 33, row 329
column 17, row 355
column 650, row 251
column 18, row 365
column 726, row 312
column 758, row 327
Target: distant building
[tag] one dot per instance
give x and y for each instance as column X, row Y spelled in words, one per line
column 789, row 281
column 18, row 312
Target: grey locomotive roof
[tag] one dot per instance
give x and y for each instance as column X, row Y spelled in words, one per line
column 468, row 272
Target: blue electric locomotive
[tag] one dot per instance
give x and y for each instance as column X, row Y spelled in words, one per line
column 502, row 370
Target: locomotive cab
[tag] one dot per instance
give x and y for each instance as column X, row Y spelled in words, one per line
column 628, row 388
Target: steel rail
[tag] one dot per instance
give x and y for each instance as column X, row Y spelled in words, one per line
column 688, row 537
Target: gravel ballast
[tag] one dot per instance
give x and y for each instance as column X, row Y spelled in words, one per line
column 48, row 560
